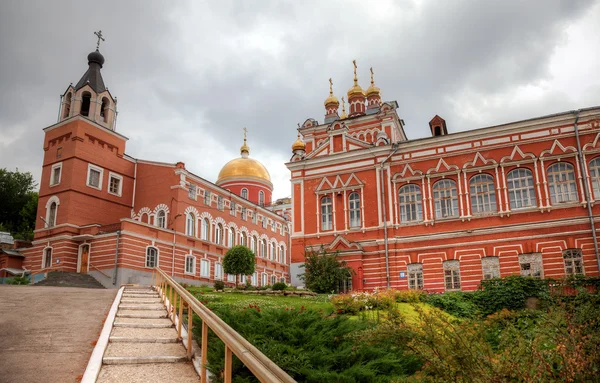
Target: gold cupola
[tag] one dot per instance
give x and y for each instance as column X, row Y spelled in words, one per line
column 373, row 90
column 244, row 168
column 298, row 144
column 356, row 90
column 331, row 100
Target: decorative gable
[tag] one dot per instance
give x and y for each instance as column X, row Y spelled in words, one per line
column 341, row 244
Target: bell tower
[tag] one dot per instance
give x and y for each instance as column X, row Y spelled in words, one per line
column 90, row 98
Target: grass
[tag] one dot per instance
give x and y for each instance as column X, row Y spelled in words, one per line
column 207, row 296
column 406, row 309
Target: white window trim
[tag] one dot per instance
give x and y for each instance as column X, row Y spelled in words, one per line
column 219, row 277
column 146, row 257
column 193, row 271
column 55, row 166
column 156, row 219
column 87, row 180
column 264, row 277
column 120, row 178
column 48, row 204
column 79, row 256
column 204, row 260
column 44, row 256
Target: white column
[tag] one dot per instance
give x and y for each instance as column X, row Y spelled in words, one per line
column 424, row 203
column 345, row 197
column 579, row 176
column 544, row 183
column 430, row 198
column 506, row 200
column 362, row 208
column 466, row 193
column 378, row 182
column 498, row 190
column 390, row 215
column 460, row 194
column 333, row 211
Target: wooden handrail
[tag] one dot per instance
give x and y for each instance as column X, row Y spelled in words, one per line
column 262, row 367
column 100, row 271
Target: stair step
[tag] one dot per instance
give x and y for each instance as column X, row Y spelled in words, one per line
column 143, row 333
column 141, row 307
column 142, row 325
column 142, row 314
column 142, row 359
column 140, row 296
column 141, row 300
column 161, row 321
column 122, row 339
column 142, row 292
column 144, row 373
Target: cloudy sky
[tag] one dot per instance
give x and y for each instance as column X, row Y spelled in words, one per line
column 190, row 75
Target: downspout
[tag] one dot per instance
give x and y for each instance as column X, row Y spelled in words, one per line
column 586, row 188
column 385, row 226
column 116, row 258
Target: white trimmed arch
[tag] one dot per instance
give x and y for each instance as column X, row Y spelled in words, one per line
column 162, row 207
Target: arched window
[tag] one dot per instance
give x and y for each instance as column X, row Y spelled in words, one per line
column 354, row 209
column 161, row 219
column 273, row 279
column 521, row 192
column 67, row 106
column 52, row 214
column 264, row 279
column 190, row 225
column 483, row 196
column 231, row 237
column 219, row 234
column 104, row 110
column 245, row 193
column 47, row 258
column 86, row 98
column 253, row 244
column 326, row 214
column 282, row 254
column 261, row 198
column 145, row 218
column 272, row 254
column 411, row 207
column 445, row 197
column 205, row 229
column 244, row 239
column 263, row 248
column 594, row 166
column 151, row 257
column 561, row 182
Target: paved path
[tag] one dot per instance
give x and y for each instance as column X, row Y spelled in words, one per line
column 47, row 334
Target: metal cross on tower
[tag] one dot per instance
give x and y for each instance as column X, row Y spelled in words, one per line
column 245, row 131
column 99, row 34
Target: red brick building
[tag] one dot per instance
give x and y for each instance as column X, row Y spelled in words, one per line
column 444, row 212
column 116, row 217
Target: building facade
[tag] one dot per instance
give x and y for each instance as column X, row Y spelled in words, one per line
column 444, row 212
column 116, row 217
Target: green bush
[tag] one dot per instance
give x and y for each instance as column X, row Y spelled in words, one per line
column 324, row 271
column 219, row 285
column 279, row 286
column 510, row 293
column 459, row 304
column 409, row 296
column 18, row 280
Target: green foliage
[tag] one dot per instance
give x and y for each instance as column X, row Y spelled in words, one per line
column 310, row 347
column 279, row 286
column 509, row 293
column 409, row 296
column 459, row 304
column 19, row 203
column 324, row 271
column 239, row 260
column 18, row 280
column 219, row 285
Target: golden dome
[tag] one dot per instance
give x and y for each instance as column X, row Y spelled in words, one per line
column 331, row 99
column 298, row 144
column 243, row 168
column 372, row 90
column 356, row 90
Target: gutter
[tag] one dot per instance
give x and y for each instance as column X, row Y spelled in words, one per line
column 395, row 148
column 586, row 187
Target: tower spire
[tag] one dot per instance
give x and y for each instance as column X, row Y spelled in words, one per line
column 356, row 96
column 245, row 149
column 373, row 95
column 355, row 77
column 331, row 105
column 99, row 34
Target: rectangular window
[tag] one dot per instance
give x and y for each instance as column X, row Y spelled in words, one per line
column 573, row 262
column 264, row 280
column 94, row 177
column 254, row 218
column 218, row 271
column 255, row 279
column 232, row 209
column 452, row 275
column 47, row 257
column 205, row 268
column 115, row 184
column 151, row 257
column 415, row 276
column 190, row 264
column 207, row 197
column 531, row 265
column 244, row 213
column 220, row 203
column 264, row 223
column 230, row 278
column 56, row 173
column 491, row 267
column 192, row 191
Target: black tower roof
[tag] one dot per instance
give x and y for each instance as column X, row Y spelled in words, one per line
column 92, row 76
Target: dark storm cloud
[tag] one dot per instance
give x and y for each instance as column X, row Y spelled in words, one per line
column 190, row 76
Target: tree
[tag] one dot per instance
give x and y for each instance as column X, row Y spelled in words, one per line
column 324, row 271
column 239, row 260
column 18, row 203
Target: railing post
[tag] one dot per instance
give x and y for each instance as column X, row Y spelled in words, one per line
column 180, row 321
column 227, row 375
column 204, row 351
column 172, row 312
column 189, row 332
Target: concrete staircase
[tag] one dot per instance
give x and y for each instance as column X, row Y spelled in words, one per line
column 144, row 345
column 67, row 279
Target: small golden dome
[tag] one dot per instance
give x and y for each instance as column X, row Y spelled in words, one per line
column 331, row 99
column 372, row 90
column 243, row 168
column 298, row 144
column 356, row 90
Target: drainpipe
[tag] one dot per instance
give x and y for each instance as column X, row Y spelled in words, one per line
column 116, row 258
column 586, row 187
column 385, row 228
